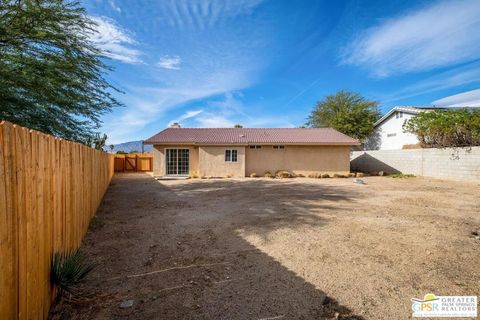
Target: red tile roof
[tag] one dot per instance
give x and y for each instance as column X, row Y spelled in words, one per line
column 248, row 136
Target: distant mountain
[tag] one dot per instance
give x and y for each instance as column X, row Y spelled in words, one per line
column 129, row 147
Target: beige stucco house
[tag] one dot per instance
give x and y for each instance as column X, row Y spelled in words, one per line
column 239, row 152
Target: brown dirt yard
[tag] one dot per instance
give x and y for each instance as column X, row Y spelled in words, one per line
column 278, row 248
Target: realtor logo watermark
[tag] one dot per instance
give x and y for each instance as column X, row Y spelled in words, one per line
column 444, row 306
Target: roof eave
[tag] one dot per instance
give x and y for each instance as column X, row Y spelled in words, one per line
column 389, row 113
column 202, row 144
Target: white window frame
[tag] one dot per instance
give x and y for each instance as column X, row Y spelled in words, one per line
column 230, row 158
column 166, row 162
column 255, row 147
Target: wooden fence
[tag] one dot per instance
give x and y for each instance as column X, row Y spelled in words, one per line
column 133, row 162
column 49, row 190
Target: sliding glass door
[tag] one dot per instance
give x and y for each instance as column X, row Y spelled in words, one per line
column 177, row 162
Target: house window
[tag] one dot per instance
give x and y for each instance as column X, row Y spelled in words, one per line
column 255, row 147
column 278, row 147
column 231, row 155
column 399, row 115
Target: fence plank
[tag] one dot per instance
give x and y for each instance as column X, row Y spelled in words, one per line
column 8, row 228
column 49, row 190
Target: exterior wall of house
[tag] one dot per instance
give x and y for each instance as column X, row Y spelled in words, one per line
column 209, row 161
column 212, row 162
column 389, row 135
column 298, row 159
column 159, row 161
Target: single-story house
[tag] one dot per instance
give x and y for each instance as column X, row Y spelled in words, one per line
column 239, row 152
column 389, row 133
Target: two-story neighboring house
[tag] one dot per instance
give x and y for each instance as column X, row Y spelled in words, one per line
column 389, row 133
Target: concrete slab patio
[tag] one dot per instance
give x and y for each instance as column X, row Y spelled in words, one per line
column 278, row 249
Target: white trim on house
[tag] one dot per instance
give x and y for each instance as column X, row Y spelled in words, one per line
column 404, row 109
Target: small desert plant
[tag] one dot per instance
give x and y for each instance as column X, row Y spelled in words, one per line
column 338, row 175
column 301, row 175
column 401, row 175
column 268, row 174
column 194, row 176
column 68, row 269
column 283, row 174
column 253, row 175
column 312, row 175
column 229, row 175
column 325, row 175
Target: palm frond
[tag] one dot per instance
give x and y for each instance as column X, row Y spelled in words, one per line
column 68, row 270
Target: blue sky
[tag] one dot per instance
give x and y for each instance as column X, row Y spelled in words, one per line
column 265, row 63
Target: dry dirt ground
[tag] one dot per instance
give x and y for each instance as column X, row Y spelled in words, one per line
column 278, row 248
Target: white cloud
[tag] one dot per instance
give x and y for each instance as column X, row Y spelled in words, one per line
column 450, row 79
column 148, row 105
column 168, row 62
column 464, row 99
column 114, row 41
column 202, row 14
column 209, row 64
column 187, row 115
column 214, row 121
column 440, row 34
column 114, row 6
column 230, row 110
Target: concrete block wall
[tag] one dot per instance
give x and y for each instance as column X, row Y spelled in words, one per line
column 448, row 163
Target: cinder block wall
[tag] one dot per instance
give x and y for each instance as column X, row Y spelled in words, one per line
column 448, row 163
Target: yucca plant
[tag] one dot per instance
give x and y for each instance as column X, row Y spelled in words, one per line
column 69, row 268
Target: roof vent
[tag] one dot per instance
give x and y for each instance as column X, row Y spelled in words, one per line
column 238, row 126
column 175, row 125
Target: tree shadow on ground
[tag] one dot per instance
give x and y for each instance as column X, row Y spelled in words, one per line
column 175, row 251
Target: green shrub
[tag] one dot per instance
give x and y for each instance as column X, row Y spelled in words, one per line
column 68, row 269
column 401, row 175
column 446, row 128
column 253, row 175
